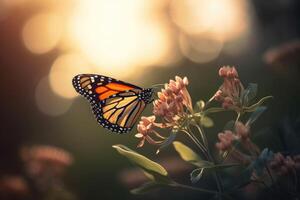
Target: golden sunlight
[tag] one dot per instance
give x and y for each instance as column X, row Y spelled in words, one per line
column 64, row 68
column 200, row 49
column 49, row 103
column 119, row 36
column 223, row 19
column 42, row 32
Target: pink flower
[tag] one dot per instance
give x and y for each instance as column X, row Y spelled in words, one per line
column 42, row 159
column 173, row 100
column 13, row 187
column 226, row 140
column 284, row 165
column 230, row 91
column 145, row 128
column 297, row 161
column 242, row 130
column 225, row 143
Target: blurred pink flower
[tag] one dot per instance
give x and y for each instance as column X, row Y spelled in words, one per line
column 297, row 161
column 225, row 140
column 226, row 144
column 13, row 186
column 145, row 128
column 242, row 131
column 230, row 91
column 283, row 56
column 284, row 165
column 42, row 159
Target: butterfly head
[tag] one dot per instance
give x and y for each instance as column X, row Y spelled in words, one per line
column 146, row 95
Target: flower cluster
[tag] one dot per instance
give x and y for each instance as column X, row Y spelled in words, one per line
column 230, row 91
column 173, row 100
column 145, row 129
column 174, row 113
column 241, row 133
column 171, row 106
column 13, row 186
column 45, row 159
column 285, row 165
column 226, row 140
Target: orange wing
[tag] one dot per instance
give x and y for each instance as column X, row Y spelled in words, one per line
column 111, row 89
column 116, row 104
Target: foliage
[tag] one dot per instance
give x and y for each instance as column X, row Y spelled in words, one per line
column 173, row 111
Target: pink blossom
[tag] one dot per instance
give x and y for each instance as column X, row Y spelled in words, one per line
column 171, row 106
column 242, row 130
column 43, row 159
column 145, row 128
column 173, row 100
column 13, row 187
column 225, row 140
column 230, row 91
column 284, row 165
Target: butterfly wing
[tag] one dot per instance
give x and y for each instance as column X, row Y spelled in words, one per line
column 116, row 104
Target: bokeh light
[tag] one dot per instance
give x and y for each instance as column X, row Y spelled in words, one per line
column 42, row 32
column 64, row 68
column 12, row 3
column 200, row 49
column 48, row 102
column 223, row 19
column 120, row 36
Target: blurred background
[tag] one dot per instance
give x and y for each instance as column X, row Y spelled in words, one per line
column 43, row 44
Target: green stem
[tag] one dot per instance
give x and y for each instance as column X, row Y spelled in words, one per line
column 211, row 159
column 204, row 139
column 196, row 141
column 238, row 117
column 270, row 175
column 200, row 190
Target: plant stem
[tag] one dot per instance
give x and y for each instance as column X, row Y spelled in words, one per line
column 199, row 189
column 196, row 141
column 202, row 136
column 237, row 117
column 211, row 159
column 270, row 175
column 195, row 188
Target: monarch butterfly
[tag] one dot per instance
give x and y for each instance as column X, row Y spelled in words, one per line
column 115, row 104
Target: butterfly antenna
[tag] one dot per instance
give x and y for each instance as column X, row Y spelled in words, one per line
column 157, row 85
column 156, row 88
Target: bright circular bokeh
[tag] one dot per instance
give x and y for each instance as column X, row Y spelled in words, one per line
column 121, row 37
column 200, row 49
column 42, row 32
column 223, row 19
column 13, row 3
column 64, row 68
column 48, row 102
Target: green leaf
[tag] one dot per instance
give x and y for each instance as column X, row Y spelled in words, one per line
column 189, row 155
column 206, row 122
column 196, row 174
column 147, row 187
column 223, row 166
column 249, row 94
column 253, row 107
column 152, row 169
column 254, row 116
column 214, row 110
column 261, row 161
column 168, row 141
column 229, row 125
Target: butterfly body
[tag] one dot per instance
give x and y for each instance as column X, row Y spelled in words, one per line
column 116, row 104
